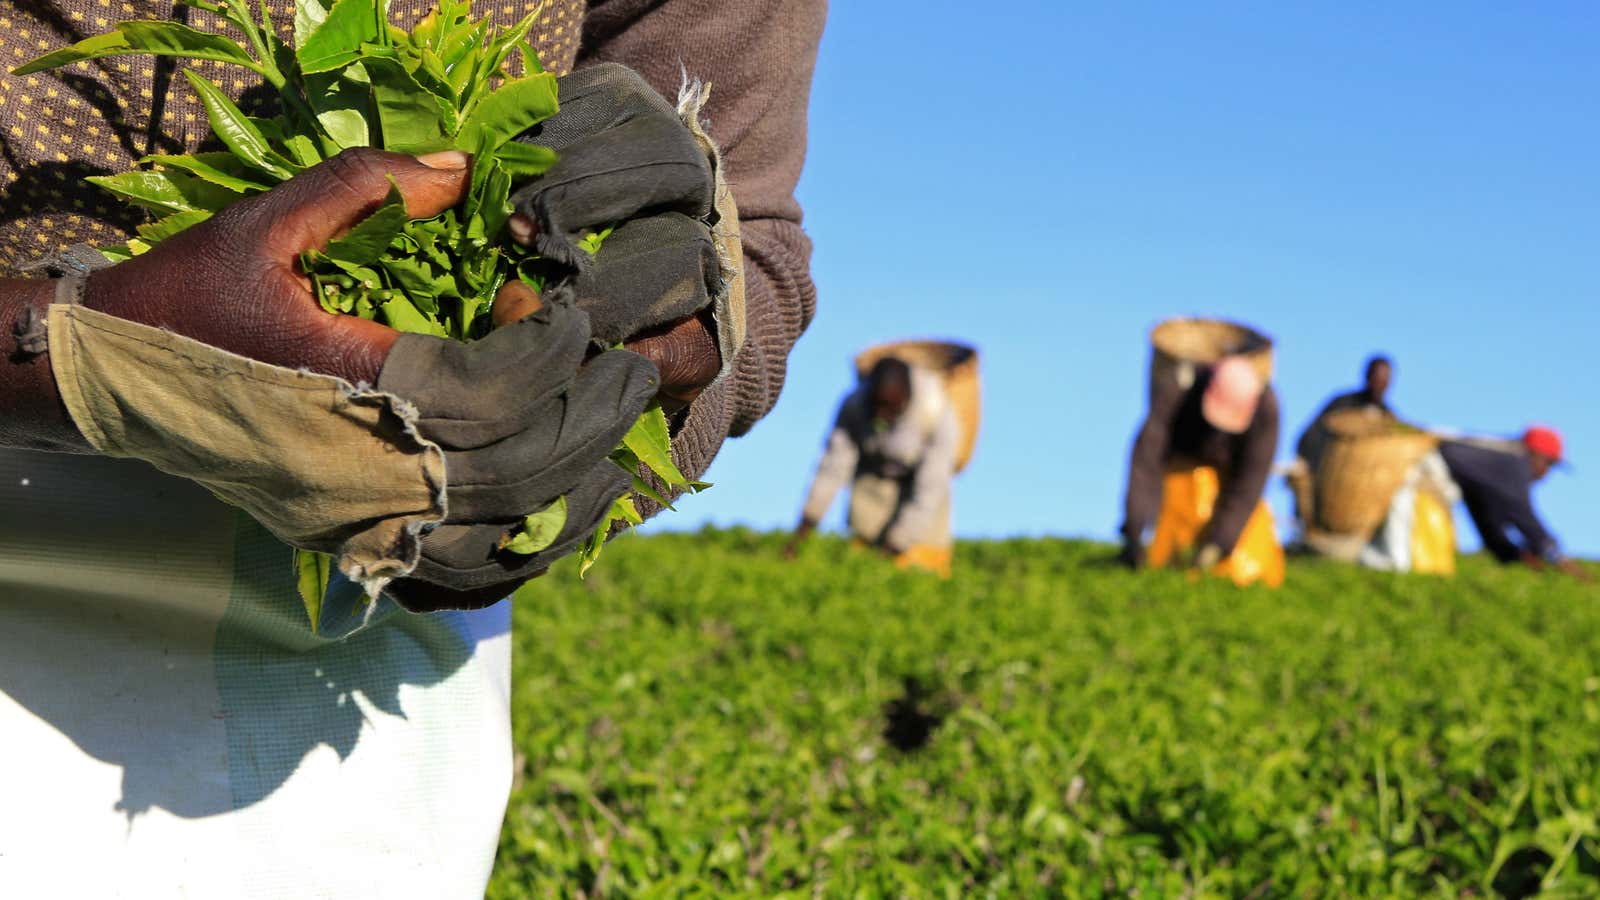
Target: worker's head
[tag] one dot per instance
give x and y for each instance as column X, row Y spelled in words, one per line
column 1379, row 374
column 1544, row 447
column 1230, row 401
column 889, row 389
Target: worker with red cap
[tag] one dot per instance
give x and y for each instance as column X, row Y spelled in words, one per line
column 1225, row 422
column 1496, row 480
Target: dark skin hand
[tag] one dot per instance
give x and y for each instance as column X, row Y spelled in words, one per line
column 234, row 282
column 684, row 351
column 801, row 531
column 1564, row 566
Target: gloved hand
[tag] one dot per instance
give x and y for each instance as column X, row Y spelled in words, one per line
column 628, row 160
column 514, row 444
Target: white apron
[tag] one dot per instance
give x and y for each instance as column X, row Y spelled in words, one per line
column 169, row 727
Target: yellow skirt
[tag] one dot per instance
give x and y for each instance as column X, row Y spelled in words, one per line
column 1187, row 499
column 1433, row 536
column 922, row 557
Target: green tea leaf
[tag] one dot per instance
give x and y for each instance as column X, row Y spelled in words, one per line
column 165, row 192
column 366, row 242
column 494, row 203
column 151, row 190
column 651, row 441
column 461, row 60
column 112, row 43
column 591, row 241
column 491, row 61
column 643, row 488
column 221, row 169
column 412, row 118
column 236, row 130
column 401, row 315
column 174, row 39
column 525, row 160
column 123, row 252
column 531, row 64
column 539, row 530
column 340, row 101
column 426, row 29
column 430, row 74
column 154, row 38
column 312, row 573
column 158, row 231
column 336, row 43
column 518, row 105
column 622, row 510
column 308, row 17
column 416, row 280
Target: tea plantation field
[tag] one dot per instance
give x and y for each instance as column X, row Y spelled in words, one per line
column 703, row 717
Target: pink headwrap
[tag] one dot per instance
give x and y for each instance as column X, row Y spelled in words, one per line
column 1230, row 401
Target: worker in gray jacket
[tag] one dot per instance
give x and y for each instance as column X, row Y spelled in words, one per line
column 895, row 441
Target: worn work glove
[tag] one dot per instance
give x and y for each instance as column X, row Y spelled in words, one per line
column 512, row 446
column 628, row 160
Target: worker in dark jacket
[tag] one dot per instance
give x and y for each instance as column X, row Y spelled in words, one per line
column 1227, row 420
column 1496, row 481
column 1372, row 395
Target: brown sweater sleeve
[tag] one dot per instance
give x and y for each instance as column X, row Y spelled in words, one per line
column 1147, row 463
column 758, row 57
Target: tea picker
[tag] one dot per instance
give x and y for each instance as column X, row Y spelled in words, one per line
column 898, row 440
column 1202, row 456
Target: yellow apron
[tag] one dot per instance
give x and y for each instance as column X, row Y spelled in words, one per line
column 1187, row 499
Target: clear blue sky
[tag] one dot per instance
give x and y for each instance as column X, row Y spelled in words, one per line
column 1047, row 180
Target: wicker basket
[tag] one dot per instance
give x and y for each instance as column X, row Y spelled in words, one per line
column 1180, row 346
column 1364, row 461
column 956, row 363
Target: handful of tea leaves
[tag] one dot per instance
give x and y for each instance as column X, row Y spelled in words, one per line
column 353, row 79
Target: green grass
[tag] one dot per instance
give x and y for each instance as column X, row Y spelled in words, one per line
column 704, row 717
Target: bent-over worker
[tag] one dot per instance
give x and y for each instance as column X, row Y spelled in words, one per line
column 894, row 441
column 1223, row 429
column 1496, row 479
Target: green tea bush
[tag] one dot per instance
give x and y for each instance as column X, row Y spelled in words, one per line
column 706, row 718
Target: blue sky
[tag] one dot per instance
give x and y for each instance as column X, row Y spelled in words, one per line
column 1047, row 180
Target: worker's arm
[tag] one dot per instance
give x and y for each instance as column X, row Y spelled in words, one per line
column 1146, row 469
column 1492, row 529
column 1241, row 492
column 834, row 470
column 1537, row 541
column 757, row 57
column 930, row 487
column 1306, row 446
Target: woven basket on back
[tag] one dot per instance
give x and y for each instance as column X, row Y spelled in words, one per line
column 1364, row 461
column 956, row 363
column 1179, row 347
